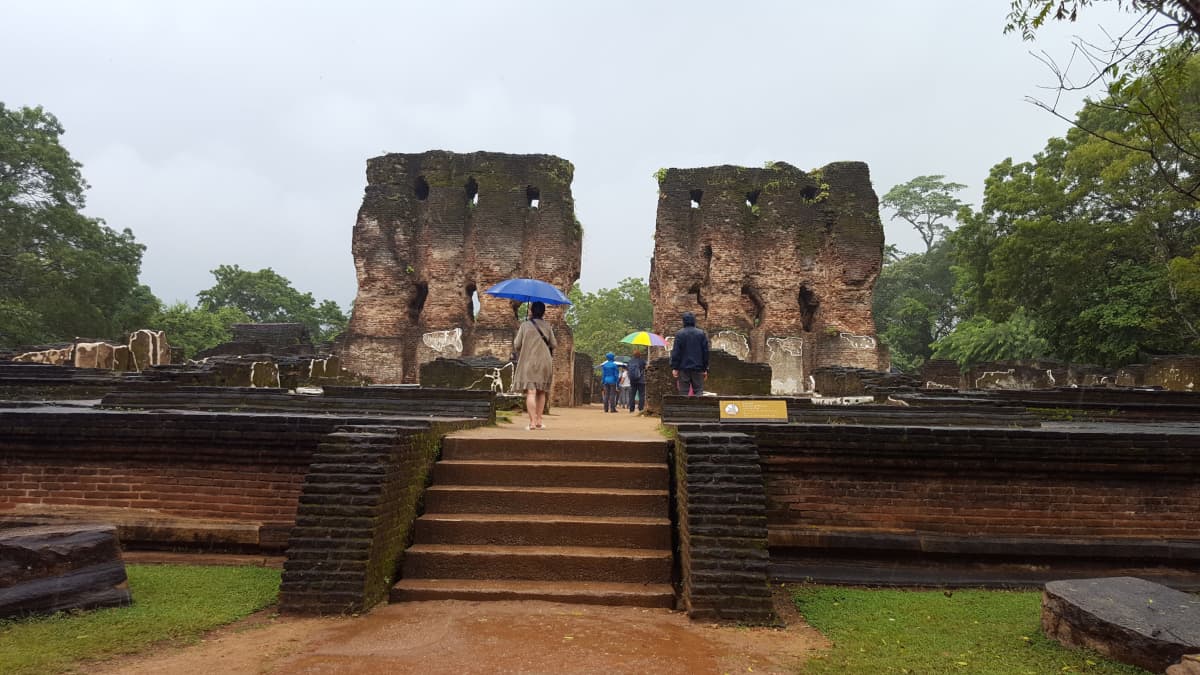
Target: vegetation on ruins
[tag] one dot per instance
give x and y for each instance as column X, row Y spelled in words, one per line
column 65, row 274
column 968, row 631
column 170, row 603
column 599, row 320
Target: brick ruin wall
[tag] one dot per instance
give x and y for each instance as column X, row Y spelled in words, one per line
column 778, row 265
column 980, row 483
column 437, row 229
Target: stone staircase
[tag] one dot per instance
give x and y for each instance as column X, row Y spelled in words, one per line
column 541, row 519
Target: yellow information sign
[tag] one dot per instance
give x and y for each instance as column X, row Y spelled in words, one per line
column 754, row 410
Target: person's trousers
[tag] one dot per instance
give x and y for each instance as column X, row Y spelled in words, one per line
column 610, row 398
column 624, row 398
column 637, row 390
column 691, row 380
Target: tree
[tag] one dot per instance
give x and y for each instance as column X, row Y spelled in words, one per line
column 979, row 339
column 195, row 329
column 1083, row 239
column 65, row 275
column 1142, row 70
column 266, row 297
column 914, row 305
column 599, row 320
column 1027, row 16
column 925, row 202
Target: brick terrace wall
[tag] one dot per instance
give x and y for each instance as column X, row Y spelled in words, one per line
column 356, row 516
column 722, row 528
column 786, row 280
column 236, row 467
column 423, row 245
column 982, row 482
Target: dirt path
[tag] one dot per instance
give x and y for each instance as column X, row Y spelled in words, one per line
column 486, row 637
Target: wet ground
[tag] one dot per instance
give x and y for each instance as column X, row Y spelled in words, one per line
column 487, row 637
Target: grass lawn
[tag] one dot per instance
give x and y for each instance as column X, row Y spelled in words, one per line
column 170, row 602
column 976, row 632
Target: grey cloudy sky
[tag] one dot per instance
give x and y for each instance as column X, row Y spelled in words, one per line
column 237, row 132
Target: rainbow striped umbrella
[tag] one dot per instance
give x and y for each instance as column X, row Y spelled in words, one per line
column 643, row 337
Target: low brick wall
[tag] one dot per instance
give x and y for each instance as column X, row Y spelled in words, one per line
column 356, row 514
column 197, row 466
column 707, row 410
column 978, row 506
column 722, row 528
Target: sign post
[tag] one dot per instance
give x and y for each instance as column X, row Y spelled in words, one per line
column 754, row 410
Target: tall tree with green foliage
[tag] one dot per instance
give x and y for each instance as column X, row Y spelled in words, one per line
column 914, row 305
column 599, row 320
column 64, row 274
column 927, row 203
column 1083, row 238
column 267, row 297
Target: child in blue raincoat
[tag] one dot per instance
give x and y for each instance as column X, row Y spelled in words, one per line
column 610, row 378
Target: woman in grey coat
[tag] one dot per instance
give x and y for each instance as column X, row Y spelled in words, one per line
column 534, row 346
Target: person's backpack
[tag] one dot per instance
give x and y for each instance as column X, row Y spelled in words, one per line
column 637, row 371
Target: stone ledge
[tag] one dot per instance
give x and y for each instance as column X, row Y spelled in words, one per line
column 1125, row 618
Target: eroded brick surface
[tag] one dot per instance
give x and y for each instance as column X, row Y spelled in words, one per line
column 437, row 228
column 777, row 264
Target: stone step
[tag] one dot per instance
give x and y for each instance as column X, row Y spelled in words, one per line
column 543, row 530
column 545, row 473
column 563, row 450
column 583, row 593
column 571, row 501
column 538, row 563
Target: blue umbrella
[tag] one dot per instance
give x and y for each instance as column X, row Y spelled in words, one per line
column 528, row 290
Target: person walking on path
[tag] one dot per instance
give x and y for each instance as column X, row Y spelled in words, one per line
column 689, row 357
column 609, row 378
column 637, row 381
column 534, row 347
column 623, row 383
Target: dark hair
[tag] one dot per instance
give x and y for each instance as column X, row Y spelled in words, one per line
column 537, row 309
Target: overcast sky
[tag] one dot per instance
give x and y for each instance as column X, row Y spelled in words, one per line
column 237, row 133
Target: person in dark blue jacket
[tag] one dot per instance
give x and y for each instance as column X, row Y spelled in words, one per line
column 637, row 381
column 689, row 357
column 610, row 376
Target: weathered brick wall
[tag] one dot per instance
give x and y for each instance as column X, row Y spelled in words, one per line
column 778, row 265
column 984, row 482
column 245, row 468
column 438, row 227
column 356, row 515
column 722, row 528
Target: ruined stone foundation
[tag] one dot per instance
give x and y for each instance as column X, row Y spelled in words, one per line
column 777, row 264
column 437, row 229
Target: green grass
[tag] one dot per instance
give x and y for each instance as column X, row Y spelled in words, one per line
column 976, row 632
column 170, row 602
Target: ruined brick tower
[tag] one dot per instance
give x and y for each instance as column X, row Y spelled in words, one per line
column 777, row 264
column 437, row 229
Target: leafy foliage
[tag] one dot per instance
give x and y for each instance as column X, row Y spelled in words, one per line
column 980, row 339
column 1027, row 16
column 267, row 297
column 599, row 320
column 925, row 202
column 914, row 305
column 65, row 275
column 195, row 329
column 1084, row 238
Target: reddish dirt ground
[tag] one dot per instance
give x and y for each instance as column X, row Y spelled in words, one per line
column 485, row 637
